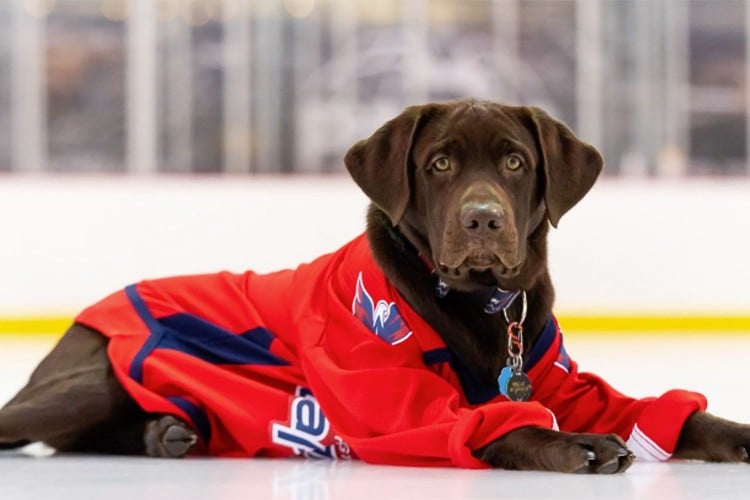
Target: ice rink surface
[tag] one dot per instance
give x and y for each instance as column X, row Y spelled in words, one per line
column 639, row 364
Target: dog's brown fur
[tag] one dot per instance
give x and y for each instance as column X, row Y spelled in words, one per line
column 478, row 221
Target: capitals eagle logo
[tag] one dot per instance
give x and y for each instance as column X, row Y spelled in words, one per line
column 383, row 318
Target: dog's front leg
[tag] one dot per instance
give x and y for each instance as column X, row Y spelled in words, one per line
column 534, row 448
column 707, row 437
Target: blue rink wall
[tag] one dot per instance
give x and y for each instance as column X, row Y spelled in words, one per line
column 631, row 255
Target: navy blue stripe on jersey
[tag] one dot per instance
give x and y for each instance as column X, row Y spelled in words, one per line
column 211, row 343
column 201, row 339
column 477, row 391
column 136, row 366
column 196, row 415
column 435, row 356
column 542, row 344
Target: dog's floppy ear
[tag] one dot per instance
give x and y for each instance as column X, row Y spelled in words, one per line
column 380, row 164
column 570, row 165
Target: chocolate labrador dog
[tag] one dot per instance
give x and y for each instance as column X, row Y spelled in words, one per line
column 430, row 340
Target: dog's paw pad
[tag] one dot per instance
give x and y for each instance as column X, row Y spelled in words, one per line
column 168, row 437
column 609, row 467
column 177, row 440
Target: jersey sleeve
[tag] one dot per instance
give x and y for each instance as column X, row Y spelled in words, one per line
column 390, row 408
column 584, row 402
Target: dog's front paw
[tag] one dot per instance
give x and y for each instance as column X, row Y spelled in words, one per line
column 532, row 448
column 713, row 439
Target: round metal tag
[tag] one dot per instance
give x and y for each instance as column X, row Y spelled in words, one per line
column 519, row 387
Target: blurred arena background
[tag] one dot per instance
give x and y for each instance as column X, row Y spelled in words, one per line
column 141, row 138
column 146, row 138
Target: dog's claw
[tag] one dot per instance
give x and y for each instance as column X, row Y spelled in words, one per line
column 586, row 467
column 620, row 462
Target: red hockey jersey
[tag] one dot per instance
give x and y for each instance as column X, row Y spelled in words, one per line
column 328, row 360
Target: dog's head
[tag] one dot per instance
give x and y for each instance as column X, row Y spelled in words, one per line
column 470, row 182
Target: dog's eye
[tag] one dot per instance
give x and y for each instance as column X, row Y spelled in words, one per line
column 441, row 163
column 513, row 162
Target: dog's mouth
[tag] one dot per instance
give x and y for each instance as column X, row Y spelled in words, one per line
column 481, row 260
column 482, row 266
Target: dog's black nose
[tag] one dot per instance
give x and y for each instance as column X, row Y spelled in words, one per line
column 482, row 218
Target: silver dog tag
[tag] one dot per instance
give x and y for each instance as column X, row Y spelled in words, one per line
column 515, row 386
column 519, row 387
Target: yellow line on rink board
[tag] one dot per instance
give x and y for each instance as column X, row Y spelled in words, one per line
column 572, row 324
column 655, row 323
column 46, row 325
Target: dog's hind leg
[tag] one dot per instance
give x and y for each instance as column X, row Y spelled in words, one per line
column 73, row 402
column 70, row 393
column 153, row 435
